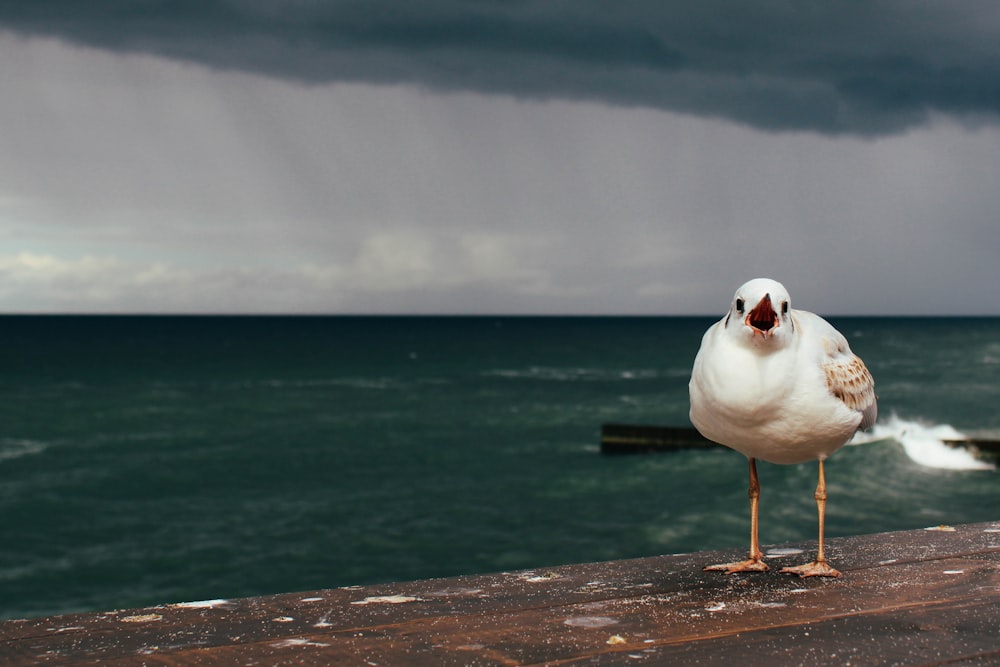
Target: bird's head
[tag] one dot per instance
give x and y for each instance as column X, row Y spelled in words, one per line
column 761, row 313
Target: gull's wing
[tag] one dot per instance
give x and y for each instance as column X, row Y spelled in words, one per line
column 847, row 377
column 849, row 380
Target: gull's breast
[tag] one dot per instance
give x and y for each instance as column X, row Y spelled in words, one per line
column 775, row 409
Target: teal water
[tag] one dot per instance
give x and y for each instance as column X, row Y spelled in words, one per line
column 146, row 460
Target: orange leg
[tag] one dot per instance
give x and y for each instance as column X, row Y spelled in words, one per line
column 755, row 563
column 819, row 567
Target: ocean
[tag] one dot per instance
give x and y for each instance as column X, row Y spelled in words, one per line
column 148, row 460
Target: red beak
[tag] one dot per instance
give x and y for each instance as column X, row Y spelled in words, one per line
column 763, row 318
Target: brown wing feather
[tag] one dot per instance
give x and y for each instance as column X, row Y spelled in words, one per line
column 850, row 381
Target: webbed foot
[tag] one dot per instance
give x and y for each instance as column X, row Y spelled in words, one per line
column 816, row 568
column 748, row 565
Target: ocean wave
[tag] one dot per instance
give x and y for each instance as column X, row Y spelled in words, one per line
column 15, row 448
column 925, row 444
column 374, row 382
column 991, row 355
column 571, row 374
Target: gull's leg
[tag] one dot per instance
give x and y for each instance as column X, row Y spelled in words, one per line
column 754, row 493
column 819, row 567
column 755, row 563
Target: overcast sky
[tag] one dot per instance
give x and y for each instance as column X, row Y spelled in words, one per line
column 577, row 156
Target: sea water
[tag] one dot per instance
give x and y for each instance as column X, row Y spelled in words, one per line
column 146, row 460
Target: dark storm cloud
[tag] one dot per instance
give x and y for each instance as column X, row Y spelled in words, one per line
column 858, row 67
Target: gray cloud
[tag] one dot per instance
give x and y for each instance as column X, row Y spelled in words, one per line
column 225, row 178
column 864, row 68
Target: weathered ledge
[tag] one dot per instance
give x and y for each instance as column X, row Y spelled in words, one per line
column 919, row 597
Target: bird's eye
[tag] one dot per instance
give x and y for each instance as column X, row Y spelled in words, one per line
column 739, row 305
column 784, row 307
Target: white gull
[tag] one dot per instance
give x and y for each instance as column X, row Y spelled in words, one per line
column 783, row 386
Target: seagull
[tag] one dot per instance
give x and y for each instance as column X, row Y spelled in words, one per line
column 780, row 385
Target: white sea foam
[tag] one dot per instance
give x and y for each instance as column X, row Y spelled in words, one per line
column 924, row 443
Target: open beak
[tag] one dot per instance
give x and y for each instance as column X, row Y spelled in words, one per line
column 763, row 317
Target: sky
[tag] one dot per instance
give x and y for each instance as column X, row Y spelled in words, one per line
column 498, row 157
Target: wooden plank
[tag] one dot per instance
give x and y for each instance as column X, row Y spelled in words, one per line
column 642, row 439
column 981, row 447
column 645, row 439
column 908, row 598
